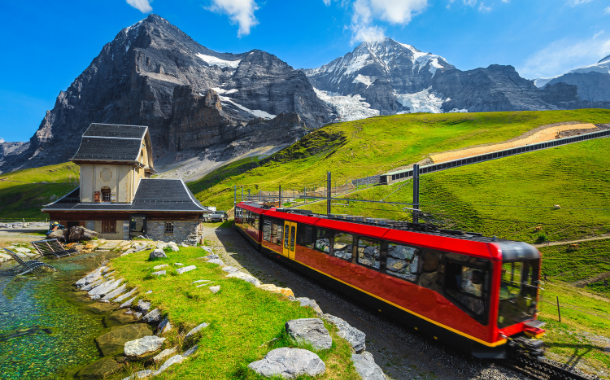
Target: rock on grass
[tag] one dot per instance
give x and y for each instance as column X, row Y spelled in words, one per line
column 310, row 330
column 289, row 363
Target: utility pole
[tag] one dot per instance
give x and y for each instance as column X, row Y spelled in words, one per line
column 281, row 204
column 416, row 193
column 328, row 192
column 248, row 194
column 234, row 195
column 242, row 193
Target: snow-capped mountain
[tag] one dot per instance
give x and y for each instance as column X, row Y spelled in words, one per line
column 593, row 81
column 385, row 73
column 189, row 96
column 390, row 77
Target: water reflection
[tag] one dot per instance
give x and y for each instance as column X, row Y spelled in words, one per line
column 41, row 332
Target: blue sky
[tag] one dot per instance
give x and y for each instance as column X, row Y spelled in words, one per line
column 46, row 45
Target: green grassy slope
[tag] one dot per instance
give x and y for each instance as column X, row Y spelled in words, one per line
column 23, row 192
column 573, row 176
column 374, row 146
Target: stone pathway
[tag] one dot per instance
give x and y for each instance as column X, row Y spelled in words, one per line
column 401, row 353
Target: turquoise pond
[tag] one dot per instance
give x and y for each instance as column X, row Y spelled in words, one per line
column 43, row 330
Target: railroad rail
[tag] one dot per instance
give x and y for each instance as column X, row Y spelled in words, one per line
column 526, row 359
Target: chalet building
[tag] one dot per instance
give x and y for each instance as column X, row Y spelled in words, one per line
column 117, row 197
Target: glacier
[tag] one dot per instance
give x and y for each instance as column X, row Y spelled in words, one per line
column 348, row 107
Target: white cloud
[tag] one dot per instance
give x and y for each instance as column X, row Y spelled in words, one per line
column 141, row 5
column 326, row 2
column 598, row 34
column 240, row 12
column 564, row 55
column 607, row 11
column 392, row 11
column 484, row 8
column 574, row 3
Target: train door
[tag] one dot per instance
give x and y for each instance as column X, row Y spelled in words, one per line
column 290, row 236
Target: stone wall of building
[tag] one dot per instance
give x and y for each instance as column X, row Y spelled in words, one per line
column 182, row 229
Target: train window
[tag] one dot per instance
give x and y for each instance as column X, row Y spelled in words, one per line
column 267, row 230
column 304, row 235
column 255, row 218
column 343, row 246
column 277, row 227
column 292, row 237
column 429, row 269
column 402, row 261
column 467, row 286
column 323, row 240
column 286, row 236
column 369, row 252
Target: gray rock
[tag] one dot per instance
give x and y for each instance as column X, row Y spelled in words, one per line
column 103, row 289
column 144, row 374
column 204, row 285
column 189, row 352
column 208, row 249
column 164, row 326
column 354, row 336
column 289, row 363
column 157, row 254
column 141, row 347
column 173, row 246
column 215, row 289
column 307, row 302
column 245, row 277
column 179, row 264
column 171, row 361
column 159, row 273
column 148, row 292
column 196, row 330
column 310, row 330
column 127, row 303
column 230, row 269
column 152, row 316
column 200, row 281
column 216, row 261
column 186, row 269
column 91, row 277
column 125, row 296
column 116, row 292
column 165, row 353
column 159, row 266
column 92, row 285
column 143, row 306
column 367, row 368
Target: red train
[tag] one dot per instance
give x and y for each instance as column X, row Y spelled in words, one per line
column 462, row 288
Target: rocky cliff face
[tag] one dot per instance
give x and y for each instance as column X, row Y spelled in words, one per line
column 389, row 77
column 135, row 78
column 592, row 82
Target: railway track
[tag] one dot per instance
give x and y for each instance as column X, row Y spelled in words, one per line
column 541, row 368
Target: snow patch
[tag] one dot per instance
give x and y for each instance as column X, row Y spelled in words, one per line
column 348, row 107
column 423, row 101
column 223, row 91
column 257, row 113
column 601, row 67
column 455, row 110
column 215, row 61
column 356, row 64
column 364, row 79
column 541, row 82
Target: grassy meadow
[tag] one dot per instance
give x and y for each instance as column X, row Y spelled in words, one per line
column 245, row 322
column 372, row 146
column 508, row 197
column 24, row 192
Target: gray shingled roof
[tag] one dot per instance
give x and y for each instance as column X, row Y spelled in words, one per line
column 154, row 194
column 111, row 142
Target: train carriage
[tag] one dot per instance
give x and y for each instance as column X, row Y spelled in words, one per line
column 470, row 291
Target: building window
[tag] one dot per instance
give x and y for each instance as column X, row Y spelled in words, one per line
column 108, row 226
column 169, row 227
column 105, row 194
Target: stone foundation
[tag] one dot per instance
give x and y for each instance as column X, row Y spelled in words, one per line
column 182, row 229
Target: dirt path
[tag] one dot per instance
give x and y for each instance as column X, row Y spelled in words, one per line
column 403, row 354
column 550, row 244
column 541, row 134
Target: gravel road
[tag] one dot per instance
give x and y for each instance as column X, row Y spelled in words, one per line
column 401, row 353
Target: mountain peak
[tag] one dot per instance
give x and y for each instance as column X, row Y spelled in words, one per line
column 604, row 59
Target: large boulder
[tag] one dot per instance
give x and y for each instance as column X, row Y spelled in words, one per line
column 289, row 363
column 140, row 348
column 57, row 234
column 157, row 254
column 366, row 367
column 245, row 277
column 119, row 318
column 354, row 336
column 113, row 342
column 99, row 369
column 311, row 331
column 308, row 302
column 77, row 233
